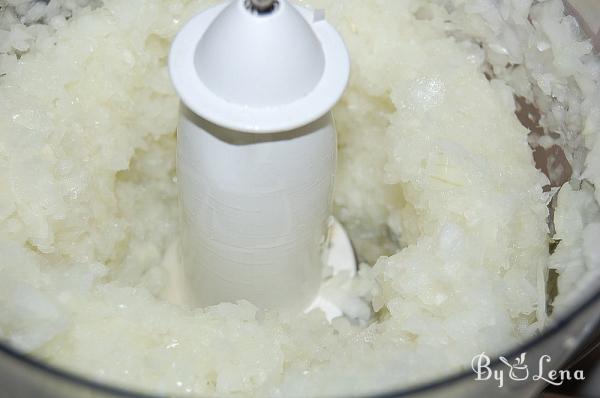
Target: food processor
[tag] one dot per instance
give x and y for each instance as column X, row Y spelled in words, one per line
column 220, row 126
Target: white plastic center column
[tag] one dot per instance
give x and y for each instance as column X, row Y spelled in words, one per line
column 256, row 150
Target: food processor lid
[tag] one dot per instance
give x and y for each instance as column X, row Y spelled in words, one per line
column 259, row 70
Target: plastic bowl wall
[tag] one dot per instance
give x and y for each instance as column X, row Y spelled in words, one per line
column 22, row 376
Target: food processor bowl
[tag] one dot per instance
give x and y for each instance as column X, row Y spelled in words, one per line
column 562, row 340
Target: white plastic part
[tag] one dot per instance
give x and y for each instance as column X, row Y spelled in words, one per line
column 260, row 61
column 338, row 257
column 256, row 151
column 255, row 210
column 276, row 83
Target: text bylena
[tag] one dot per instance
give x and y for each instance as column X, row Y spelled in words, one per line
column 520, row 371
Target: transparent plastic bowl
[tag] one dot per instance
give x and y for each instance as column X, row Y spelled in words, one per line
column 22, row 376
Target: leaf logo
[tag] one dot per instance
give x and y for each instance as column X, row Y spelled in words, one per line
column 519, row 371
